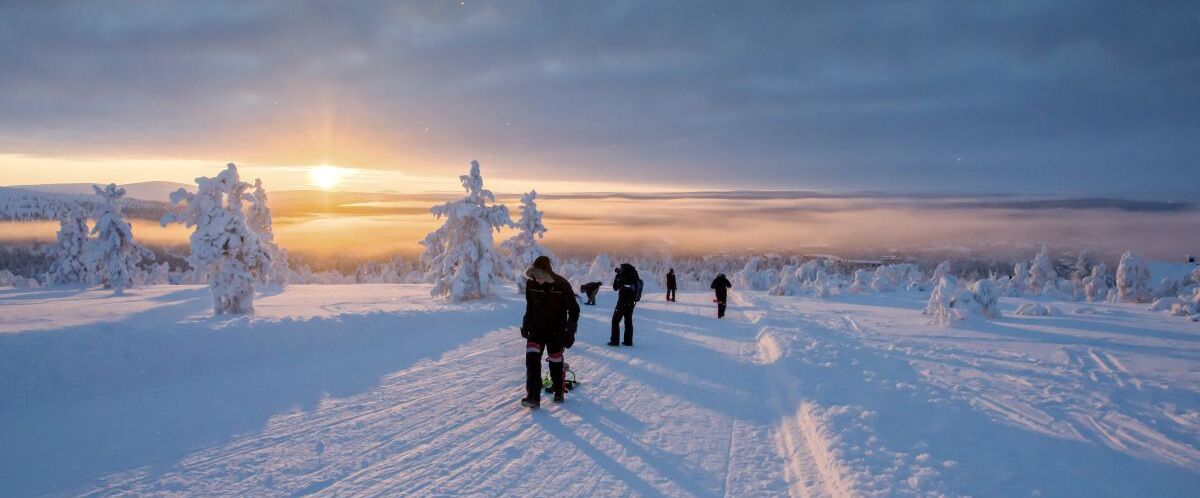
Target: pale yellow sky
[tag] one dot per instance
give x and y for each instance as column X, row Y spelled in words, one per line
column 20, row 169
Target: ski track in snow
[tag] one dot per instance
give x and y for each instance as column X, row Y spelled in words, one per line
column 785, row 397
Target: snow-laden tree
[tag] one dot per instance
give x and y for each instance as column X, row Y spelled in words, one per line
column 1133, row 279
column 1041, row 273
column 985, row 298
column 1082, row 268
column 258, row 218
column 941, row 301
column 223, row 247
column 69, row 265
column 601, row 270
column 523, row 247
column 756, row 275
column 1095, row 286
column 113, row 254
column 900, row 276
column 942, row 270
column 1019, row 283
column 460, row 257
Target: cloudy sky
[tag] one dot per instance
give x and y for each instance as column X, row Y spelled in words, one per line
column 1094, row 97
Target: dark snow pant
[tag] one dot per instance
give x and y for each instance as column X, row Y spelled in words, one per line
column 720, row 309
column 671, row 295
column 622, row 312
column 591, row 296
column 533, row 368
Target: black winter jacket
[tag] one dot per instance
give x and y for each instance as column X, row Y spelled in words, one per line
column 721, row 285
column 671, row 280
column 625, row 283
column 551, row 311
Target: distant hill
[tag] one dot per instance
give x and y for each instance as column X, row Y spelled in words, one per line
column 147, row 191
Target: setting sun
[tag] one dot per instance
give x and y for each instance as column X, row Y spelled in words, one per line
column 326, row 177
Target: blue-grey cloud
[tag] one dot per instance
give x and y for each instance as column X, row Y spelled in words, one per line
column 1068, row 96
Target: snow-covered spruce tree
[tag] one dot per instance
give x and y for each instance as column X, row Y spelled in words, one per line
column 523, row 247
column 942, row 270
column 1041, row 273
column 113, row 254
column 223, row 247
column 460, row 257
column 1133, row 279
column 941, row 301
column 69, row 265
column 1095, row 286
column 258, row 218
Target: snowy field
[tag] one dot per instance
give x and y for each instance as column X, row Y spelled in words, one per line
column 380, row 390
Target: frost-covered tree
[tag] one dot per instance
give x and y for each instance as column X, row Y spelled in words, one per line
column 223, row 247
column 69, row 264
column 523, row 247
column 113, row 254
column 1041, row 273
column 985, row 298
column 756, row 275
column 1133, row 279
column 1095, row 286
column 258, row 218
column 942, row 270
column 1019, row 283
column 941, row 301
column 460, row 257
column 1082, row 268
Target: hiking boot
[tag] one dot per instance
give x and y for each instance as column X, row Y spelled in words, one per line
column 527, row 403
column 559, row 398
column 614, row 343
column 627, row 343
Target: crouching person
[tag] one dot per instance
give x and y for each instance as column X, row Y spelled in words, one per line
column 551, row 317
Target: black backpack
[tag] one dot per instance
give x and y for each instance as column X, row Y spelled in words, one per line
column 637, row 290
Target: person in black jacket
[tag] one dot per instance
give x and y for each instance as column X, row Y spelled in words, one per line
column 671, row 285
column 590, row 290
column 551, row 317
column 721, row 285
column 627, row 284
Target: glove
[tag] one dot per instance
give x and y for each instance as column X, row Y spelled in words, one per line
column 524, row 333
column 569, row 335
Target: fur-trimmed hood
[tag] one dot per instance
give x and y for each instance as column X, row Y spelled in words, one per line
column 539, row 275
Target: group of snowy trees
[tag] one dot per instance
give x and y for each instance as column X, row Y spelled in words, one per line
column 232, row 247
column 225, row 250
column 106, row 254
column 461, row 259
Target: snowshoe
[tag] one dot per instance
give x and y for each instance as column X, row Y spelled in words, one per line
column 569, row 380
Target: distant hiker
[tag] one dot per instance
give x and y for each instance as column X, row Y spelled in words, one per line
column 671, row 285
column 590, row 290
column 629, row 292
column 551, row 317
column 721, row 285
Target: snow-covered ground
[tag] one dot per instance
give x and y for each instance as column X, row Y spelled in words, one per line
column 380, row 390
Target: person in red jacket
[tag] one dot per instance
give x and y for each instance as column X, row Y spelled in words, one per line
column 551, row 318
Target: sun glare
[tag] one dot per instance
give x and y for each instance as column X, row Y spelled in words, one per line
column 325, row 177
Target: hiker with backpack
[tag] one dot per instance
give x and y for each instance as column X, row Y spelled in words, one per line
column 551, row 318
column 721, row 286
column 629, row 292
column 671, row 285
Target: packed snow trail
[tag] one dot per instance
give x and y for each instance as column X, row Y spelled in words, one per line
column 379, row 390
